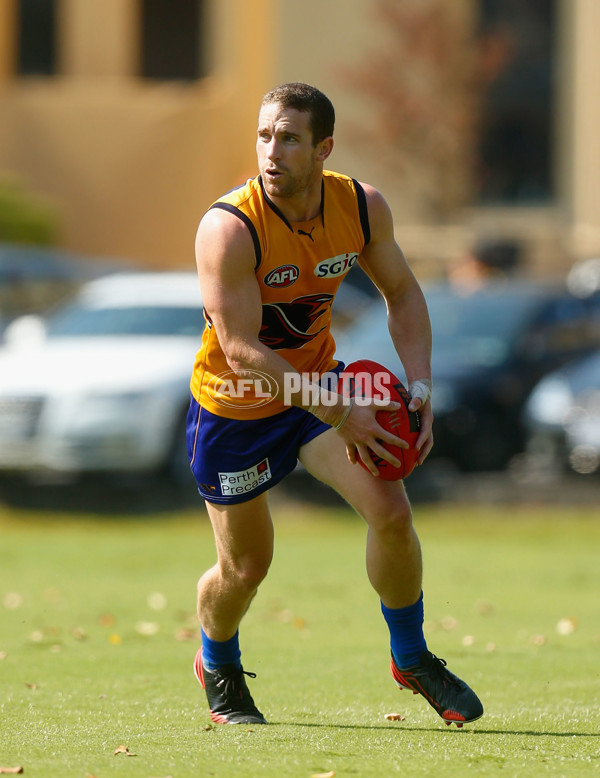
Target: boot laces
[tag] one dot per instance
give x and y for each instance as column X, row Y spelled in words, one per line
column 233, row 683
column 438, row 668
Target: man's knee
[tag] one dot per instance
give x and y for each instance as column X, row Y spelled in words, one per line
column 389, row 517
column 247, row 573
column 250, row 576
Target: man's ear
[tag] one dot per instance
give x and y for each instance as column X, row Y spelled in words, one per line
column 324, row 149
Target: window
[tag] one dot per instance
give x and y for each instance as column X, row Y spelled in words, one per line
column 36, row 36
column 514, row 165
column 171, row 33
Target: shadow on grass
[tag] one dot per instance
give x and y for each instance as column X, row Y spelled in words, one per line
column 436, row 729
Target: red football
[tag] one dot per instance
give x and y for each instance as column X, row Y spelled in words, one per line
column 365, row 378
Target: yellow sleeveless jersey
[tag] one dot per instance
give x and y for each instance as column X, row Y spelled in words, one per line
column 299, row 267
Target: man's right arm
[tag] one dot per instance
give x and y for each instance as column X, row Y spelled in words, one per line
column 231, row 296
column 225, row 261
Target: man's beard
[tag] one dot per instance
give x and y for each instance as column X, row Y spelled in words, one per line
column 289, row 186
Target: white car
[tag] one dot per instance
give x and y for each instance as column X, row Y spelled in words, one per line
column 562, row 418
column 102, row 385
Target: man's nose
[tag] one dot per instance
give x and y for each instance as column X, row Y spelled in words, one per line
column 273, row 150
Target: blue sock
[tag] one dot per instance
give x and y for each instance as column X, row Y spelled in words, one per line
column 406, row 633
column 216, row 653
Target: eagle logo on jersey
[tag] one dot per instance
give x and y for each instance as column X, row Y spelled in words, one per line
column 287, row 325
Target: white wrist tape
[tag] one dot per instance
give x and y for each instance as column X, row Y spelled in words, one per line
column 420, row 389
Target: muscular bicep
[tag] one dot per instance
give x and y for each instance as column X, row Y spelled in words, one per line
column 225, row 260
column 382, row 259
column 408, row 318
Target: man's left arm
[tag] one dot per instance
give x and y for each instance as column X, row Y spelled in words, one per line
column 408, row 318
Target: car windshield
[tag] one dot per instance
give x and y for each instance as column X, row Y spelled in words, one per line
column 482, row 326
column 477, row 329
column 154, row 320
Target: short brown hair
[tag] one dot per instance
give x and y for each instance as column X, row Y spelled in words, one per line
column 303, row 97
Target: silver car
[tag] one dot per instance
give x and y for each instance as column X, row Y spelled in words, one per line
column 102, row 385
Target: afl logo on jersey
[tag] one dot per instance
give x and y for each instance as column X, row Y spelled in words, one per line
column 336, row 266
column 284, row 275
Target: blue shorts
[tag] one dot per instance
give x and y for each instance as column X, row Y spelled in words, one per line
column 234, row 461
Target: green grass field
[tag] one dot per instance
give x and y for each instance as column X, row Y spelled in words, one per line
column 98, row 634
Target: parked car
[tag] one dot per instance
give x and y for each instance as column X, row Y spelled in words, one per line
column 34, row 278
column 490, row 347
column 103, row 384
column 562, row 419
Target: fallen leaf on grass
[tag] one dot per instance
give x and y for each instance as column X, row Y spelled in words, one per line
column 11, row 770
column 449, row 623
column 566, row 626
column 330, row 774
column 187, row 634
column 13, row 600
column 394, row 717
column 147, row 628
column 484, row 608
column 123, row 750
column 157, row 601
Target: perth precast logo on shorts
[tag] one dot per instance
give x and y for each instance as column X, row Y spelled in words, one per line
column 252, row 390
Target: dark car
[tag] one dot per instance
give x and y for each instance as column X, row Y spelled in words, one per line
column 490, row 348
column 562, row 419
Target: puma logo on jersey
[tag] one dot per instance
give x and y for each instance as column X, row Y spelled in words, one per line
column 336, row 266
column 308, row 234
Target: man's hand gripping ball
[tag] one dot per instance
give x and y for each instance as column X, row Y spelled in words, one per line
column 365, row 378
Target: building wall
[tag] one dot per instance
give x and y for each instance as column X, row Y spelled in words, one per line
column 133, row 164
column 581, row 120
column 552, row 236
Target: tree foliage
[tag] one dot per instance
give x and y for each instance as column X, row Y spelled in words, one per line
column 424, row 84
column 26, row 217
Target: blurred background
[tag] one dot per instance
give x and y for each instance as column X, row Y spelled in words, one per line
column 121, row 121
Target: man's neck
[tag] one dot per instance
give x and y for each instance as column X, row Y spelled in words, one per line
column 304, row 206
